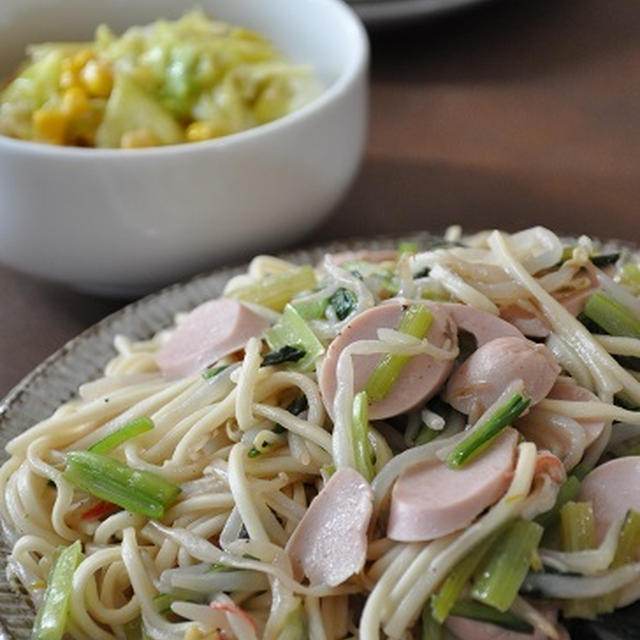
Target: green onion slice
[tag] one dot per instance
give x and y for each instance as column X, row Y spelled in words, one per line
column 482, row 436
column 132, row 489
column 51, row 620
column 130, row 430
column 362, row 448
column 416, row 321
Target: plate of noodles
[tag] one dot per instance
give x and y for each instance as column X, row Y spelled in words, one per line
column 432, row 438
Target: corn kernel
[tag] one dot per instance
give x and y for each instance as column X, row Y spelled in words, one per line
column 49, row 125
column 81, row 58
column 198, row 131
column 97, row 79
column 74, row 102
column 193, row 633
column 68, row 79
column 137, row 139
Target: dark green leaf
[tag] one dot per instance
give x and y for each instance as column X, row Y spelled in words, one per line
column 343, row 301
column 287, row 353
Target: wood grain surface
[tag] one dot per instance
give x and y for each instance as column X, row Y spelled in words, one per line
column 514, row 113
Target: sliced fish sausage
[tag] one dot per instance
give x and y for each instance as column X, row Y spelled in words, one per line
column 466, row 629
column 330, row 542
column 483, row 325
column 530, row 324
column 562, row 390
column 211, row 331
column 487, row 372
column 613, row 490
column 430, row 500
column 421, row 377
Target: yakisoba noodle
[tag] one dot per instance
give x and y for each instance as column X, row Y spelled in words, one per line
column 218, row 538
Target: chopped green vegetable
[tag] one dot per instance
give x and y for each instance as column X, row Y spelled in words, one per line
column 51, row 620
column 426, row 435
column 605, row 259
column 133, row 629
column 431, row 629
column 132, row 489
column 344, row 302
column 130, row 430
column 311, row 310
column 329, row 469
column 568, row 491
column 445, row 598
column 295, row 626
column 578, row 526
column 416, row 321
column 613, row 317
column 483, row 613
column 276, row 290
column 629, row 541
column 296, row 407
column 423, row 273
column 162, row 602
column 482, row 436
column 293, row 331
column 578, row 533
column 626, row 552
column 212, row 372
column 630, row 275
column 407, row 247
column 501, row 574
column 287, row 353
column 131, row 108
column 362, row 448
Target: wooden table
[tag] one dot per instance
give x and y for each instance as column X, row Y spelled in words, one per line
column 514, row 113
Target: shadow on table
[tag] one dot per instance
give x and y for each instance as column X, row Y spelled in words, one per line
column 504, row 39
column 400, row 195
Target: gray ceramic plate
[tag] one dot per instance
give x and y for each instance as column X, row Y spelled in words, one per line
column 82, row 359
column 379, row 12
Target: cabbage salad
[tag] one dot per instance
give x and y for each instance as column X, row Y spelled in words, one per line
column 169, row 82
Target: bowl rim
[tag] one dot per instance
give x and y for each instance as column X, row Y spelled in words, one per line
column 356, row 66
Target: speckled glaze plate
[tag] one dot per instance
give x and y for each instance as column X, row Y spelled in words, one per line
column 82, row 359
column 382, row 12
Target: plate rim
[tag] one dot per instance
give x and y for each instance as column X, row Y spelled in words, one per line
column 388, row 12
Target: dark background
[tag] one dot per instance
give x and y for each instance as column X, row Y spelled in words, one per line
column 517, row 112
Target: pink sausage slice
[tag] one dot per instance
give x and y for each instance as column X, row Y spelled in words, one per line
column 531, row 325
column 466, row 629
column 567, row 391
column 486, row 373
column 482, row 325
column 613, row 490
column 430, row 500
column 211, row 331
column 420, row 379
column 330, row 543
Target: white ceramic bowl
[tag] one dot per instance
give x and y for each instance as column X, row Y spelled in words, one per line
column 126, row 221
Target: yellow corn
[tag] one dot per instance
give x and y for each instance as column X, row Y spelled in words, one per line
column 198, row 131
column 137, row 139
column 97, row 79
column 68, row 79
column 193, row 633
column 80, row 59
column 74, row 102
column 49, row 125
